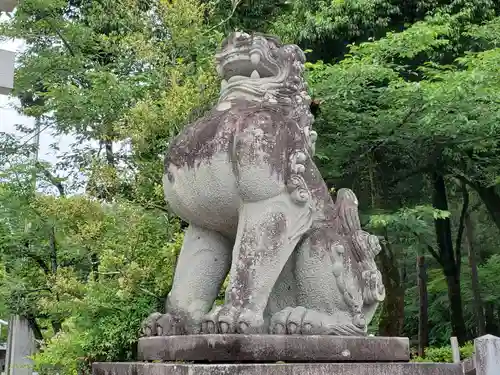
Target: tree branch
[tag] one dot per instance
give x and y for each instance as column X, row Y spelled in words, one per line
column 393, row 131
column 63, row 39
column 431, row 251
column 53, row 249
column 52, row 179
column 408, row 175
column 40, row 262
column 461, row 226
column 435, row 255
column 388, row 245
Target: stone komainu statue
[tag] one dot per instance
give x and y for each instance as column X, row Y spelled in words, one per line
column 244, row 178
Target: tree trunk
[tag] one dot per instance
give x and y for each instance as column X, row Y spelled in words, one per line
column 491, row 200
column 94, row 259
column 392, row 316
column 423, row 329
column 476, row 290
column 56, row 325
column 37, row 332
column 450, row 268
column 491, row 323
column 110, row 156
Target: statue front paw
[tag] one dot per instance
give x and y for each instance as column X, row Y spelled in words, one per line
column 251, row 322
column 168, row 324
column 149, row 325
column 302, row 321
column 230, row 319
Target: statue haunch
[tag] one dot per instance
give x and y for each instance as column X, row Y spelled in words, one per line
column 244, row 178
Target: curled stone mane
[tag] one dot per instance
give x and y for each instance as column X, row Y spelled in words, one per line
column 260, row 68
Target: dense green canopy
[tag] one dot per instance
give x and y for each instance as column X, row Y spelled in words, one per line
column 407, row 104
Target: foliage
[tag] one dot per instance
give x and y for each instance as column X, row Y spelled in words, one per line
column 83, row 270
column 408, row 93
column 107, row 72
column 444, row 354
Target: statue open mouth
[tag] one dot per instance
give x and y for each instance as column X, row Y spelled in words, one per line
column 245, row 57
column 258, row 65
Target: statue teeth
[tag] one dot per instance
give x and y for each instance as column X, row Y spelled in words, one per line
column 255, row 75
column 255, row 58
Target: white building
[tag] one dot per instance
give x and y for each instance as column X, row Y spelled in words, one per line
column 6, row 71
column 7, row 5
column 6, row 57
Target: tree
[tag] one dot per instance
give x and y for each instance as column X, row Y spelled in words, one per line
column 107, row 72
column 403, row 104
column 406, row 103
column 84, row 273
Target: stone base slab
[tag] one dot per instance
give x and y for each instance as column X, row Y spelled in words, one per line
column 135, row 368
column 273, row 348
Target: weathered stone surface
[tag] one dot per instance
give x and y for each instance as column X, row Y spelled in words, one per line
column 487, row 355
column 278, row 369
column 244, row 178
column 20, row 347
column 469, row 367
column 273, row 348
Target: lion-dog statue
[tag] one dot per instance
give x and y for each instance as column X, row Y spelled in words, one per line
column 244, row 178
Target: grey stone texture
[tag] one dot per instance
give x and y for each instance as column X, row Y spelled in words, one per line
column 469, row 367
column 273, row 348
column 278, row 369
column 487, row 355
column 7, row 6
column 20, row 347
column 244, row 178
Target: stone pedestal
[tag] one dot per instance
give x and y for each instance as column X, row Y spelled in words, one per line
column 278, row 369
column 487, row 355
column 274, row 355
column 273, row 348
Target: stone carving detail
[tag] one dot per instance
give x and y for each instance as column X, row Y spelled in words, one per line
column 244, row 178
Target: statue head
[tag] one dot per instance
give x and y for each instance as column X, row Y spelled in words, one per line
column 259, row 67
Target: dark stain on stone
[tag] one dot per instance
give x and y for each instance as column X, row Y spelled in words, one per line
column 240, row 293
column 243, row 130
column 170, row 176
column 196, row 141
column 262, row 241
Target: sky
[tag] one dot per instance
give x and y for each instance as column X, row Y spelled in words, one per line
column 9, row 116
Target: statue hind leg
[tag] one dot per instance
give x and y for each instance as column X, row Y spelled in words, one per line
column 203, row 264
